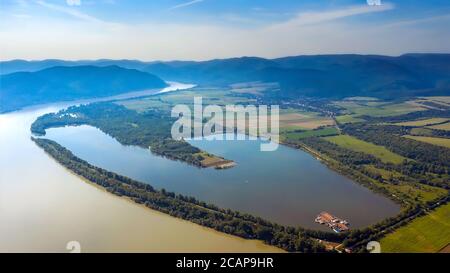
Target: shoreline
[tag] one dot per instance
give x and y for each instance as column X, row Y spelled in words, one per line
column 188, row 208
column 131, row 201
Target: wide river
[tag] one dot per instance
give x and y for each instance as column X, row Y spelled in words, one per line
column 43, row 206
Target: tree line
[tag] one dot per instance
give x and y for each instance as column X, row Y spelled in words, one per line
column 188, row 208
column 150, row 129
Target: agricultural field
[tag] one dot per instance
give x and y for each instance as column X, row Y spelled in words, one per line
column 443, row 126
column 291, row 119
column 254, row 88
column 429, row 233
column 444, row 142
column 436, row 103
column 423, row 122
column 438, row 99
column 144, row 104
column 421, row 131
column 358, row 145
column 166, row 101
column 378, row 108
column 348, row 119
column 297, row 135
column 407, row 190
column 367, row 99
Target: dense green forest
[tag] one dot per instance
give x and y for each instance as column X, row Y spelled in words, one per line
column 433, row 156
column 148, row 129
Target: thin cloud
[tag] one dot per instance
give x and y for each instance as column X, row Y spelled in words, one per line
column 70, row 12
column 73, row 2
column 183, row 5
column 419, row 21
column 77, row 14
column 312, row 18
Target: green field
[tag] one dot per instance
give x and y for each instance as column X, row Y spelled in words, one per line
column 329, row 131
column 361, row 99
column 444, row 142
column 348, row 119
column 445, row 126
column 423, row 122
column 358, row 145
column 294, row 119
column 378, row 108
column 428, row 233
column 166, row 101
column 407, row 190
column 441, row 99
column 421, row 131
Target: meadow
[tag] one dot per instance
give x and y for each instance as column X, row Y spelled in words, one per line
column 358, row 145
column 303, row 120
column 444, row 142
column 378, row 108
column 428, row 233
column 443, row 126
column 423, row 122
column 406, row 190
column 165, row 101
column 297, row 135
column 348, row 119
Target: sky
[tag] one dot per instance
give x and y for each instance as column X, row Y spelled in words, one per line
column 151, row 30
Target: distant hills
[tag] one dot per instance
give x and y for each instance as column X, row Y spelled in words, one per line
column 331, row 76
column 7, row 67
column 323, row 75
column 62, row 83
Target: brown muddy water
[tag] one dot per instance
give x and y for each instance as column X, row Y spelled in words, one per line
column 43, row 207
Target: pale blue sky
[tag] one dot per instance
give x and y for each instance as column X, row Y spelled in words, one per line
column 205, row 29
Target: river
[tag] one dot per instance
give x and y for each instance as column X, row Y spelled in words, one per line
column 43, row 206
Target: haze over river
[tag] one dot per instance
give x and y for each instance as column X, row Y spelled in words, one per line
column 43, row 206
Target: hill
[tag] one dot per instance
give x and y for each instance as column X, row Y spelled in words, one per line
column 323, row 75
column 330, row 76
column 12, row 66
column 69, row 83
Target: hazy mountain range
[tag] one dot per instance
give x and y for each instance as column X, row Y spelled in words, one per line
column 323, row 75
column 333, row 76
column 61, row 83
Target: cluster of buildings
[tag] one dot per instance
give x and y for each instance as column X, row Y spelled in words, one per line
column 335, row 223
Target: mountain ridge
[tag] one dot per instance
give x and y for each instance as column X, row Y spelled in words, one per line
column 61, row 83
column 326, row 75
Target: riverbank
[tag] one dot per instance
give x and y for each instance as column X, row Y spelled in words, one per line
column 187, row 208
column 43, row 206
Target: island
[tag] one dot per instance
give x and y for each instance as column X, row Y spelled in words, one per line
column 150, row 129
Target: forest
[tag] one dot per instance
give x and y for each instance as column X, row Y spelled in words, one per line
column 150, row 129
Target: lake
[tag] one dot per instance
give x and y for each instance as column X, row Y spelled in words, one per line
column 288, row 186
